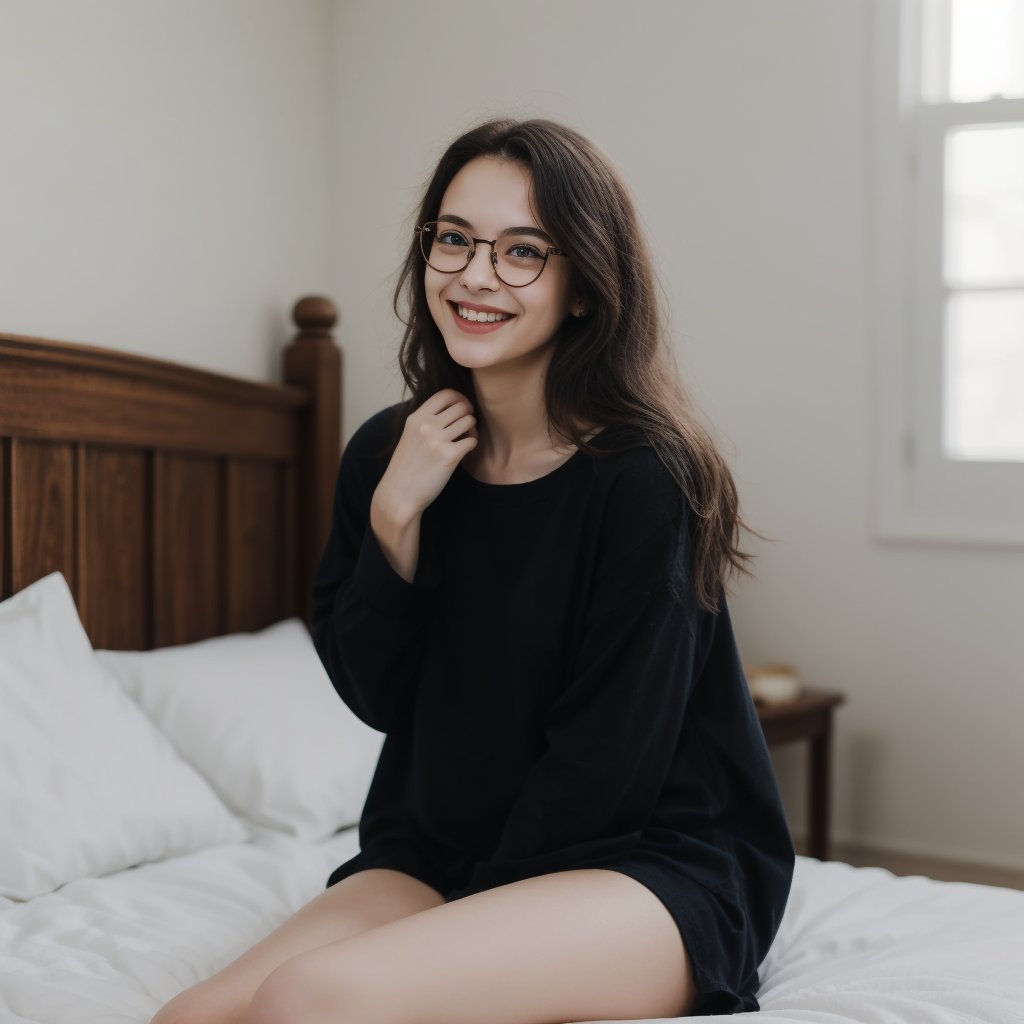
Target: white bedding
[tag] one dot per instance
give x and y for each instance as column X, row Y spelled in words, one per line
column 860, row 944
column 113, row 950
column 856, row 945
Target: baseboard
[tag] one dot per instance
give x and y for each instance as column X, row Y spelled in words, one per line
column 861, row 855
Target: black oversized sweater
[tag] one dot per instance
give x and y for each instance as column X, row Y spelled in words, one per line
column 553, row 697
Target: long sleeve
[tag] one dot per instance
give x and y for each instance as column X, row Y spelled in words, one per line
column 368, row 622
column 612, row 733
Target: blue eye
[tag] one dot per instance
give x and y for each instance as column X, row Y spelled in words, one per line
column 522, row 251
column 450, row 237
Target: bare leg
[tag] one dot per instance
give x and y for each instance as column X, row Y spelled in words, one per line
column 583, row 945
column 354, row 905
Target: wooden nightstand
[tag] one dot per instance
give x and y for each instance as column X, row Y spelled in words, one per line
column 808, row 717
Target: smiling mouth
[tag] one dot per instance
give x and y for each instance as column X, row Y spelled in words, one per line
column 478, row 316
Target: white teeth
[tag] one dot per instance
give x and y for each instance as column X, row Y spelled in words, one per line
column 479, row 317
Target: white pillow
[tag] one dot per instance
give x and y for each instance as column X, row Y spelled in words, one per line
column 88, row 785
column 256, row 715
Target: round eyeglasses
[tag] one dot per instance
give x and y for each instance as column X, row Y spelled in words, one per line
column 517, row 255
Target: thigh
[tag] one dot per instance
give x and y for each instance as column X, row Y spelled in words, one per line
column 356, row 904
column 580, row 945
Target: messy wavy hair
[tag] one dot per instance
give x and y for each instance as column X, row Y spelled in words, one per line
column 611, row 367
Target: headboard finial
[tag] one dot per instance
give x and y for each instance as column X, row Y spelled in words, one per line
column 314, row 314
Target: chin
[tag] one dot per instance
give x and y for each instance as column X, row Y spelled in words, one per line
column 468, row 359
column 468, row 351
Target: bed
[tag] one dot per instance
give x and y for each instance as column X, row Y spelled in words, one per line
column 158, row 530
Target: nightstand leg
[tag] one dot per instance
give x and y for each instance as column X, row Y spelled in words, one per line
column 819, row 791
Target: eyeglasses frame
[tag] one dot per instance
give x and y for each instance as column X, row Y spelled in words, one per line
column 425, row 229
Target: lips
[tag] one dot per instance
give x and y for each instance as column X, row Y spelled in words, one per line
column 474, row 312
column 474, row 318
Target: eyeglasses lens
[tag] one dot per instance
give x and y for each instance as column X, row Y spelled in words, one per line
column 449, row 248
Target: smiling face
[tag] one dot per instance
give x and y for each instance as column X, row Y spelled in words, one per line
column 484, row 322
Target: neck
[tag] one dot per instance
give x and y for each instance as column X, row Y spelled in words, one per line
column 512, row 411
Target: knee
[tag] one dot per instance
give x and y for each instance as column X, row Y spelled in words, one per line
column 281, row 998
column 205, row 1003
column 297, row 993
column 322, row 987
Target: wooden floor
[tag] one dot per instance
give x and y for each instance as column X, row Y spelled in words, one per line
column 944, row 870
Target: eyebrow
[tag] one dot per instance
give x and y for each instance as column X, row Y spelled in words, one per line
column 452, row 219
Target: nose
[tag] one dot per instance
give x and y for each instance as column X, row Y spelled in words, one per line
column 479, row 272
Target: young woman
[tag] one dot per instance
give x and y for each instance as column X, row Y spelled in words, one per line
column 574, row 816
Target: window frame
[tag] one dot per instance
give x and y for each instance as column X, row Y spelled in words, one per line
column 920, row 493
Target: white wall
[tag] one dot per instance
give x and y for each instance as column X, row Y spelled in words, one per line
column 741, row 127
column 165, row 174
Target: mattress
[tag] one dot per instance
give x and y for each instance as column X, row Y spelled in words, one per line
column 856, row 944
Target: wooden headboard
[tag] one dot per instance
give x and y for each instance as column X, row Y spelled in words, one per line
column 179, row 504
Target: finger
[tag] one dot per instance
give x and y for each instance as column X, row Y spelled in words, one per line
column 463, row 425
column 434, row 404
column 442, row 399
column 464, row 447
column 433, row 416
column 446, row 417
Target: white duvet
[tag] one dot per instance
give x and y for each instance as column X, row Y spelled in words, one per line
column 860, row 944
column 113, row 950
column 856, row 944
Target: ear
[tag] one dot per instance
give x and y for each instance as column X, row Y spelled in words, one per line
column 578, row 305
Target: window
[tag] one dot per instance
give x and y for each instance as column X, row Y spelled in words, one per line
column 948, row 265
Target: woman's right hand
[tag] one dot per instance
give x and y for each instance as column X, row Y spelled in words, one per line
column 437, row 436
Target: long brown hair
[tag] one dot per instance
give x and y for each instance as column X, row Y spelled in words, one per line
column 613, row 365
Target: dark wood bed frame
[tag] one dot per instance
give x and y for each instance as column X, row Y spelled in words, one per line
column 179, row 504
